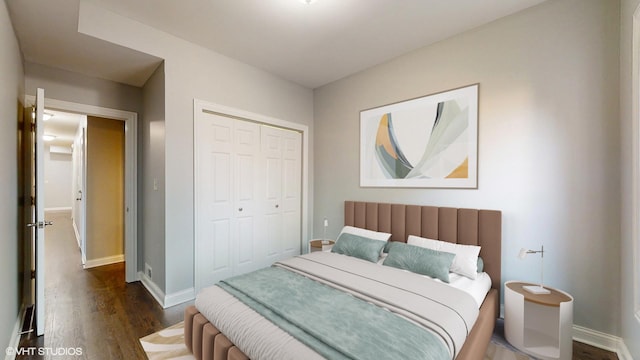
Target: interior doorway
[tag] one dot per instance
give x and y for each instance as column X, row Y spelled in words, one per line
column 84, row 182
column 128, row 121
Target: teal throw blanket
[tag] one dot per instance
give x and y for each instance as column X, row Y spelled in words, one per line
column 331, row 322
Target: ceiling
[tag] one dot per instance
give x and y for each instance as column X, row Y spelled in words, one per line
column 311, row 45
column 63, row 126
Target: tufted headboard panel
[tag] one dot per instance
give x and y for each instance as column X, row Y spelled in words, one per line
column 462, row 226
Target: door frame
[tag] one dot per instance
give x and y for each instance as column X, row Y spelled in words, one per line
column 200, row 107
column 130, row 177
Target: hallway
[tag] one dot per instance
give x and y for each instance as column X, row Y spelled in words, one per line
column 94, row 309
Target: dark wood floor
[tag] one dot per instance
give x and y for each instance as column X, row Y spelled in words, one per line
column 587, row 352
column 93, row 309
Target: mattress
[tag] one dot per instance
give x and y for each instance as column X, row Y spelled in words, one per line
column 258, row 338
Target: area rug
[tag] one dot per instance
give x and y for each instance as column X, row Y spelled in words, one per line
column 169, row 344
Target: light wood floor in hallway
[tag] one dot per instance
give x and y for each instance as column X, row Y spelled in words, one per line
column 93, row 309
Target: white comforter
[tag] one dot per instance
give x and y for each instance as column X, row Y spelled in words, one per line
column 451, row 313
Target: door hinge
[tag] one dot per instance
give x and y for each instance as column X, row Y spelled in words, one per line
column 33, row 201
column 33, row 127
column 33, row 274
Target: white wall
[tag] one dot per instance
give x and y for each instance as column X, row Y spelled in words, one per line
column 11, row 93
column 630, row 274
column 73, row 87
column 192, row 72
column 548, row 142
column 151, row 242
column 58, row 170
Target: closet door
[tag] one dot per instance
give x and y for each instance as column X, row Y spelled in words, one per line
column 247, row 186
column 226, row 169
column 282, row 164
column 271, row 143
column 291, row 193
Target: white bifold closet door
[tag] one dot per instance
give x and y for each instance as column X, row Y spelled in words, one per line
column 281, row 154
column 248, row 196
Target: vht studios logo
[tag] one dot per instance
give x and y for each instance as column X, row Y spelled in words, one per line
column 42, row 351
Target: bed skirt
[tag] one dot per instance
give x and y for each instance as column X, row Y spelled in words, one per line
column 208, row 343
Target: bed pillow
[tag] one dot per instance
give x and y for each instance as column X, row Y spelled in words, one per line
column 375, row 235
column 358, row 246
column 480, row 264
column 466, row 260
column 419, row 260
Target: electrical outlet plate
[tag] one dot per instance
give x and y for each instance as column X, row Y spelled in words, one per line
column 147, row 270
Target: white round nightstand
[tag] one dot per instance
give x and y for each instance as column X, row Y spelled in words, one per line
column 321, row 245
column 538, row 324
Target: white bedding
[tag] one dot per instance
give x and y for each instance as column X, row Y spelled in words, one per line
column 477, row 288
column 258, row 338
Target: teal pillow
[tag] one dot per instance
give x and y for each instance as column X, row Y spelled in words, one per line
column 358, row 246
column 480, row 264
column 420, row 260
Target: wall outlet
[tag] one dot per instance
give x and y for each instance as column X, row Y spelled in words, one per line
column 147, row 271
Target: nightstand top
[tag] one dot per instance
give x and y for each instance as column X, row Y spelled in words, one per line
column 318, row 243
column 553, row 299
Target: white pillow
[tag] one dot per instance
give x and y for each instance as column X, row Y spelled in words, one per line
column 466, row 261
column 375, row 235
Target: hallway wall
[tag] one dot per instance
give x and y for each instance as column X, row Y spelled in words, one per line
column 105, row 191
column 58, row 178
column 69, row 86
column 11, row 90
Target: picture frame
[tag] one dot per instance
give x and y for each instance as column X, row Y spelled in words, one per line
column 426, row 142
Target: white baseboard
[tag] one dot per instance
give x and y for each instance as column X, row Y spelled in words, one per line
column 57, row 209
column 165, row 301
column 103, row 261
column 153, row 289
column 15, row 335
column 179, row 297
column 602, row 340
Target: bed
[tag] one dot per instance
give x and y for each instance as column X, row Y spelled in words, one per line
column 461, row 226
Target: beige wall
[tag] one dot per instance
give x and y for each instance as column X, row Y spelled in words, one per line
column 105, row 188
column 630, row 273
column 548, row 142
column 11, row 93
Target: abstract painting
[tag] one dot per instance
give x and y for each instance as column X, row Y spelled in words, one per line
column 431, row 141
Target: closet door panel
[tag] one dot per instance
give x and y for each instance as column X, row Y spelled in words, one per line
column 271, row 146
column 214, row 174
column 246, row 210
column 291, row 192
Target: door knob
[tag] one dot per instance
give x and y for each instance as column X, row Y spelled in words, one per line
column 40, row 224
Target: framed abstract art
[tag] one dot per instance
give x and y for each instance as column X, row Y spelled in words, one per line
column 429, row 142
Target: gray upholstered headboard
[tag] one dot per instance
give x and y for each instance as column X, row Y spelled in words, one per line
column 462, row 226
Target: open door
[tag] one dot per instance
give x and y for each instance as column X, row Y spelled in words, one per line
column 79, row 189
column 37, row 222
